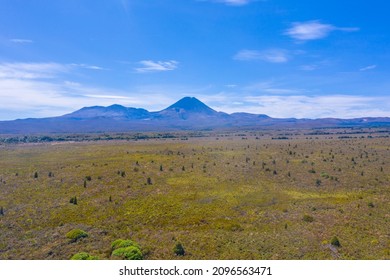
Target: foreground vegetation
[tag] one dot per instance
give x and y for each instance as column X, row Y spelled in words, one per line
column 247, row 195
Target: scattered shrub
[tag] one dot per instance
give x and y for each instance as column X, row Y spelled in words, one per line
column 308, row 218
column 121, row 243
column 126, row 249
column 335, row 241
column 179, row 249
column 76, row 234
column 83, row 256
column 371, row 204
column 324, row 175
column 88, row 178
column 128, row 253
column 73, row 200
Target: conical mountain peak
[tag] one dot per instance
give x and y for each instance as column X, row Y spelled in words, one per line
column 191, row 104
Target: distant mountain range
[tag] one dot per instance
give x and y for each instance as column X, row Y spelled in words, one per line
column 186, row 114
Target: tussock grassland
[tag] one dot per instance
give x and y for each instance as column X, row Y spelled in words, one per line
column 230, row 197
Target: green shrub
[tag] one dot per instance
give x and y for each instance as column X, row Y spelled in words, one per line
column 73, row 200
column 83, row 256
column 335, row 241
column 308, row 218
column 179, row 249
column 76, row 234
column 128, row 253
column 121, row 243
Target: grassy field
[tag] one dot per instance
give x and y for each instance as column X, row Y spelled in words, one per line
column 228, row 196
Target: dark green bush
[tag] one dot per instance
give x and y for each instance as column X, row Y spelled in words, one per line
column 83, row 256
column 335, row 241
column 73, row 200
column 76, row 234
column 308, row 218
column 179, row 250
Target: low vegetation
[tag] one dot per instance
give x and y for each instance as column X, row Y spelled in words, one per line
column 223, row 195
column 83, row 256
column 76, row 234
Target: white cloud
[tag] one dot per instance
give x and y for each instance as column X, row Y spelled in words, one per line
column 271, row 88
column 87, row 66
column 30, row 70
column 370, row 67
column 313, row 30
column 270, row 55
column 156, row 66
column 303, row 106
column 308, row 67
column 235, row 2
column 41, row 90
column 22, row 41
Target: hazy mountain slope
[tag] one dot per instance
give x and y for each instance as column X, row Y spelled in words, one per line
column 188, row 113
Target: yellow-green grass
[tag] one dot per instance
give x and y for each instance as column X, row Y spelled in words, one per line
column 234, row 199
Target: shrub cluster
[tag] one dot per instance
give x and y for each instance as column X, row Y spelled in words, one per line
column 126, row 249
column 83, row 256
column 76, row 234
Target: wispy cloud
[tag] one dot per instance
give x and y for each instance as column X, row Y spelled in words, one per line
column 47, row 89
column 86, row 66
column 370, row 67
column 303, row 106
column 22, row 41
column 272, row 88
column 156, row 66
column 45, row 70
column 308, row 67
column 313, row 30
column 30, row 70
column 270, row 55
column 235, row 2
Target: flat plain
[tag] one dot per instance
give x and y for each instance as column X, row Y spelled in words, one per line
column 233, row 195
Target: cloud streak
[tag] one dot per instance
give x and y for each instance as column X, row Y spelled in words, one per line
column 235, row 2
column 149, row 66
column 370, row 67
column 30, row 70
column 313, row 30
column 270, row 55
column 21, row 41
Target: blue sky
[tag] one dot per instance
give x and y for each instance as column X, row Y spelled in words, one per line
column 304, row 59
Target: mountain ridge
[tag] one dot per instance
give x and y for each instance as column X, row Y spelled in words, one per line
column 188, row 113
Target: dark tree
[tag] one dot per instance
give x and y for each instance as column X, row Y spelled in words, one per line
column 179, row 249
